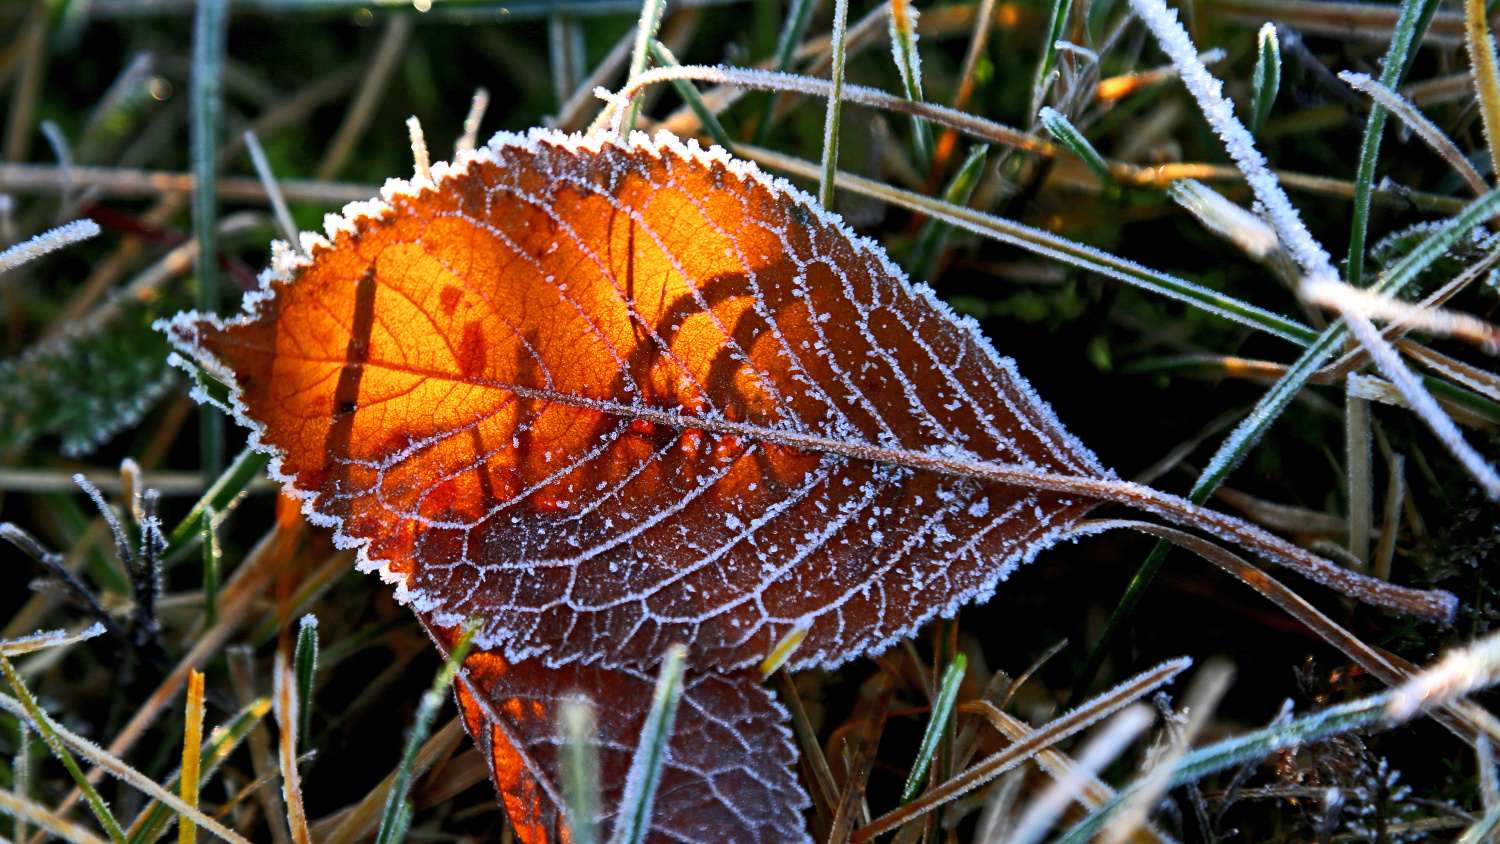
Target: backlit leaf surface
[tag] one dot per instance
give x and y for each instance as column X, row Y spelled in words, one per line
column 569, row 388
column 460, row 382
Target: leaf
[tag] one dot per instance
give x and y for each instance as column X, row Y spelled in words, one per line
column 562, row 392
column 728, row 774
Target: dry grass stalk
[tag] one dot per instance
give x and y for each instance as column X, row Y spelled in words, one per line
column 284, row 685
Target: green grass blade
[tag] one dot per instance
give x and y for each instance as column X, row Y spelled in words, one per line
column 933, row 237
column 797, row 18
column 651, row 12
column 396, row 817
column 305, row 660
column 221, row 497
column 206, row 116
column 904, row 50
column 634, row 817
column 689, row 94
column 1267, row 79
column 1415, row 14
column 1059, row 19
column 580, row 769
column 1068, row 135
column 835, row 103
column 942, row 712
column 210, row 524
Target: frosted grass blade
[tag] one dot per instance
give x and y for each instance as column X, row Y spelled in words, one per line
column 1267, row 79
column 633, row 820
column 1068, row 135
column 305, row 662
column 942, row 712
column 1414, row 16
column 903, row 34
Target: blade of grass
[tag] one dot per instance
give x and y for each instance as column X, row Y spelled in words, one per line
column 21, row 772
column 284, row 700
column 580, row 774
column 221, row 742
column 1414, row 17
column 1266, row 80
column 979, row 38
column 107, row 762
column 1042, row 81
column 46, row 638
column 210, row 566
column 20, row 807
column 223, row 494
column 1464, row 719
column 206, row 109
column 48, row 241
column 903, row 35
column 1486, row 71
column 305, row 658
column 49, row 733
column 1250, row 747
column 1066, row 134
column 1092, row 792
column 835, row 102
column 397, row 815
column 361, row 822
column 1102, row 749
column 1418, row 122
column 942, row 712
column 1225, row 219
column 862, row 763
column 689, row 94
column 933, row 237
column 192, row 740
column 273, row 191
column 824, row 790
column 238, row 595
column 1203, row 697
column 645, row 33
column 633, row 819
column 797, row 18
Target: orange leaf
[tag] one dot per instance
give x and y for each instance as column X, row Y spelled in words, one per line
column 561, row 393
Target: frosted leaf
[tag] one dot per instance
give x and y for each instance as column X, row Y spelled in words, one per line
column 583, row 391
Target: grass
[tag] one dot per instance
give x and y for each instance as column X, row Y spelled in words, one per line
column 1170, row 346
